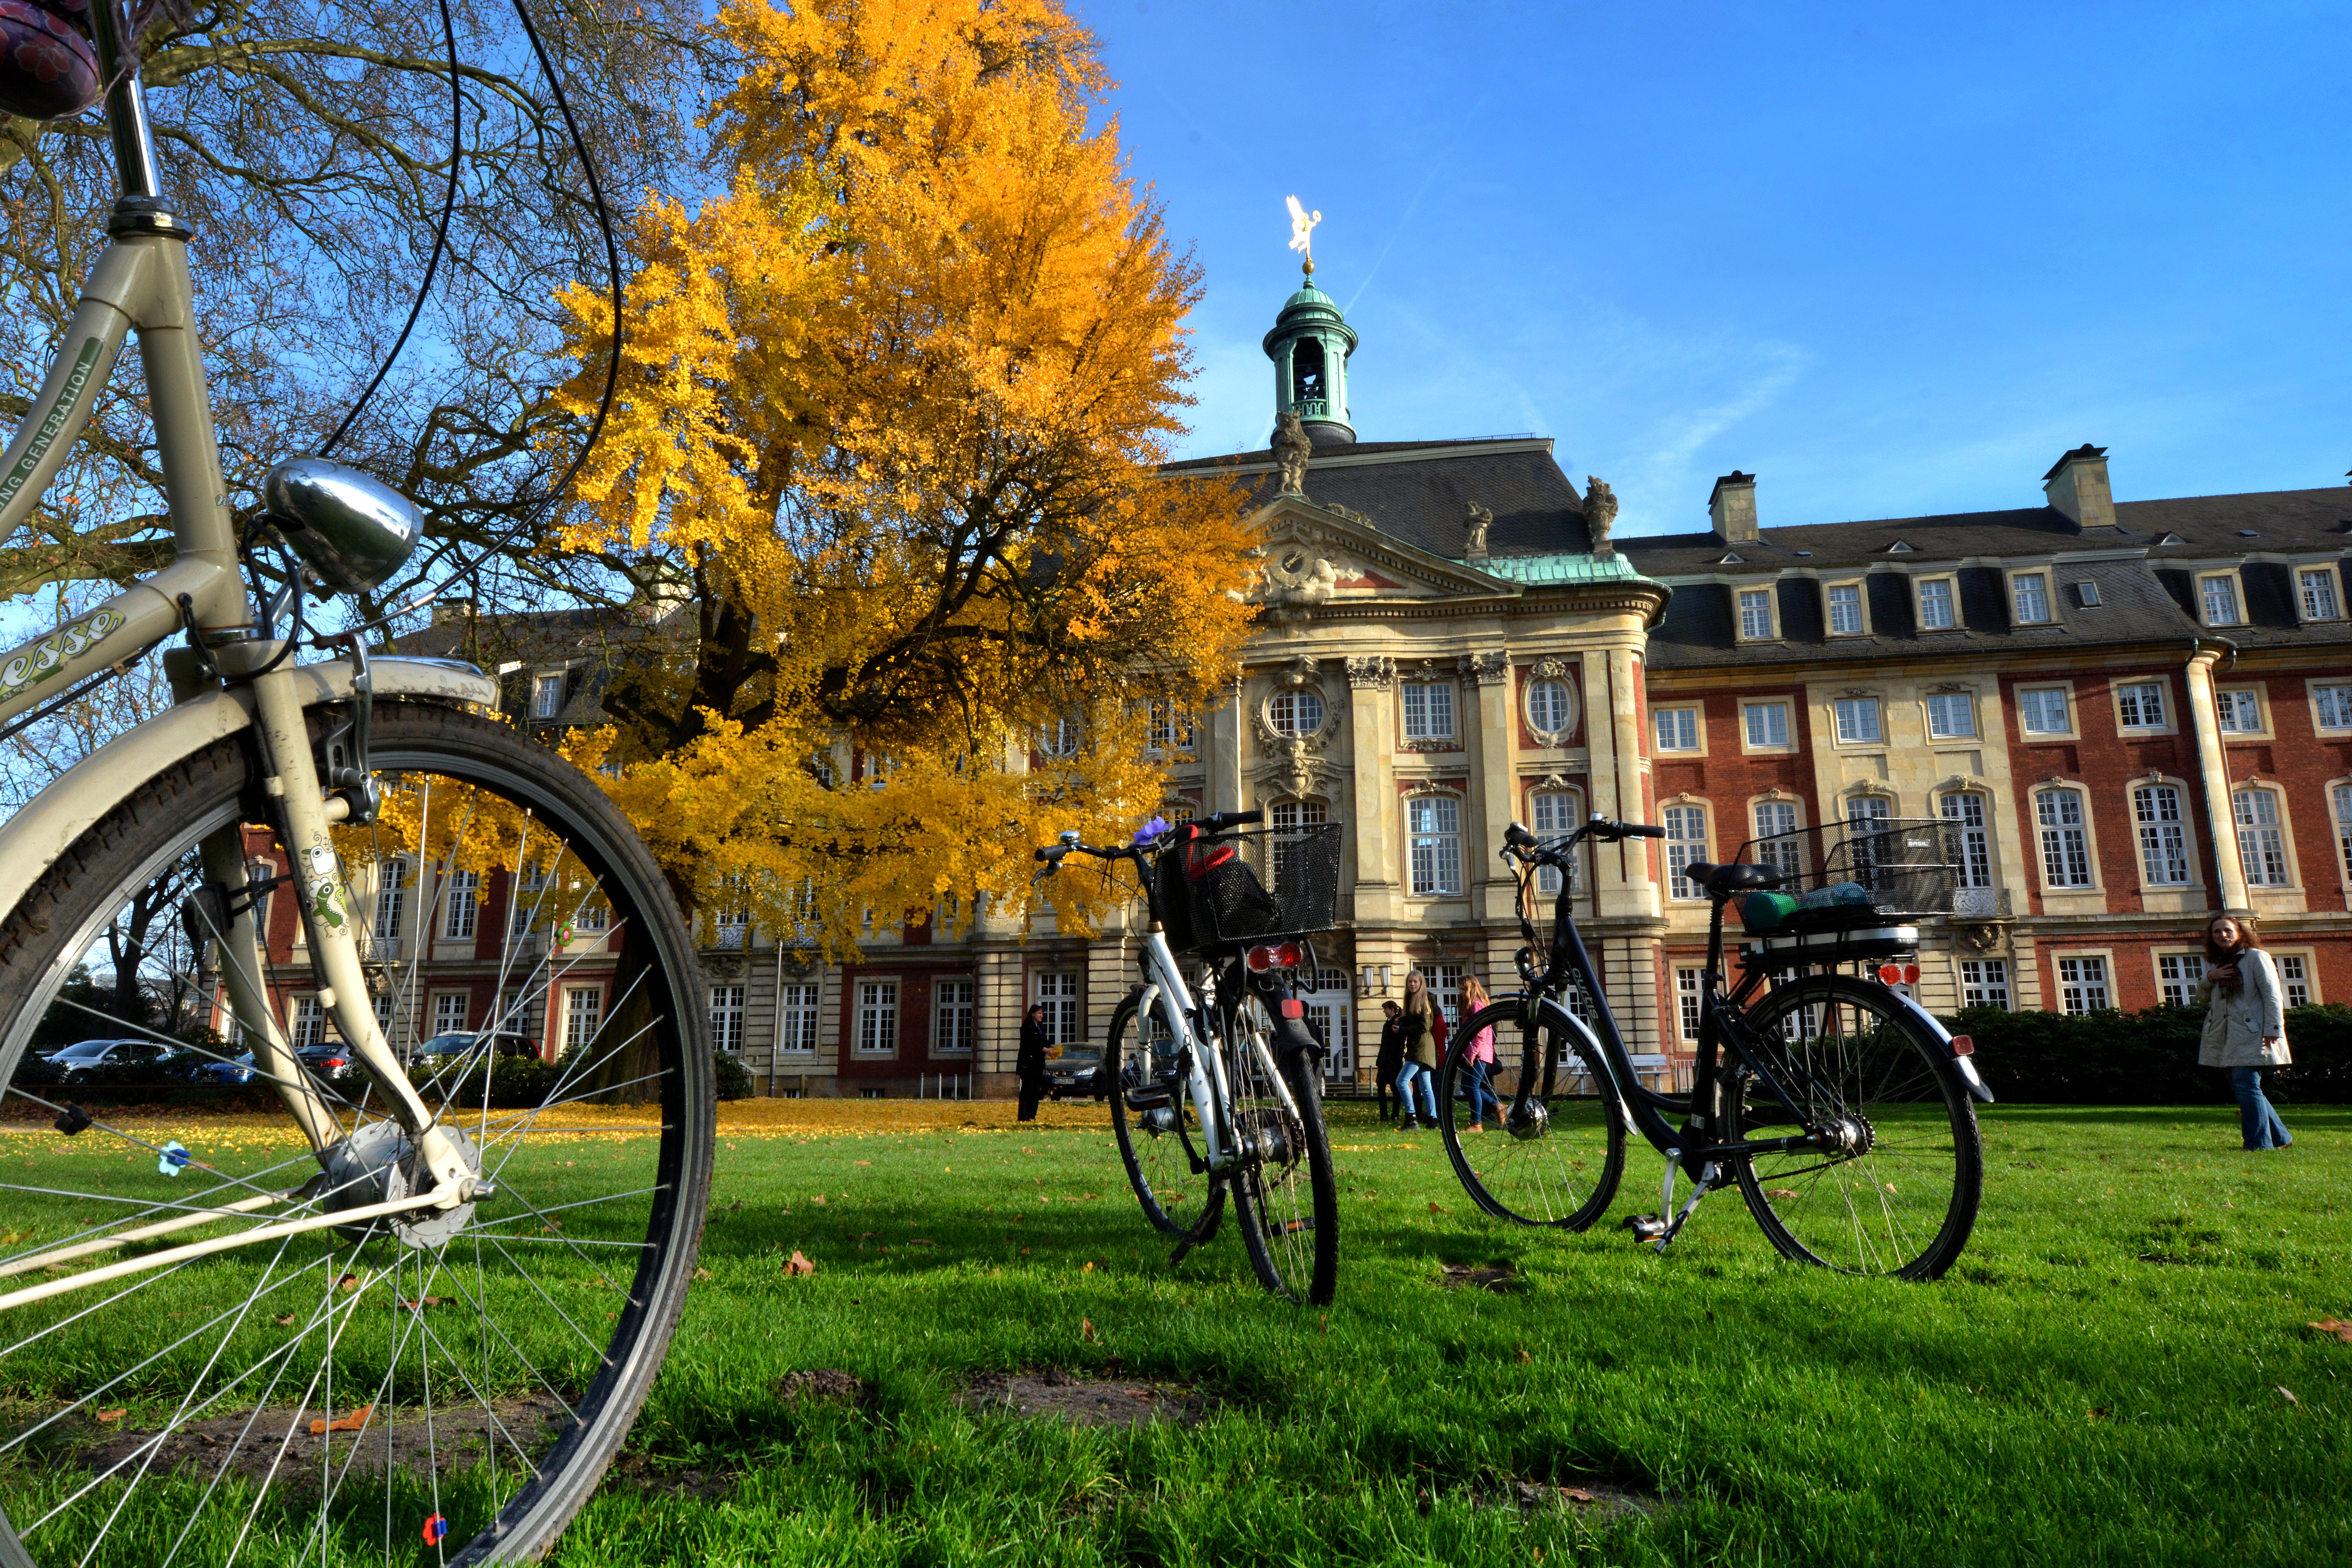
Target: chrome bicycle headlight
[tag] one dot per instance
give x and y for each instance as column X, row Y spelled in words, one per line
column 350, row 528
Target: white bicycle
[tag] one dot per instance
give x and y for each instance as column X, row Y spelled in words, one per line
column 408, row 1323
column 1219, row 1095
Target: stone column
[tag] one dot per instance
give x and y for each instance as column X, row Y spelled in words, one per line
column 2213, row 773
column 1492, row 890
column 1370, row 751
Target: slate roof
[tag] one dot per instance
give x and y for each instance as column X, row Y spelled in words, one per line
column 2143, row 596
column 1423, row 496
column 588, row 645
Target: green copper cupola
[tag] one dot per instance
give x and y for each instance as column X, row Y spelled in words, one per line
column 1309, row 346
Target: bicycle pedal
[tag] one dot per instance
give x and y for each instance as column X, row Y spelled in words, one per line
column 1646, row 1227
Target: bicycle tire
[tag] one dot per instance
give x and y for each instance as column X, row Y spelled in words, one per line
column 1159, row 1159
column 395, row 1316
column 1556, row 1156
column 1295, row 1251
column 1902, row 1205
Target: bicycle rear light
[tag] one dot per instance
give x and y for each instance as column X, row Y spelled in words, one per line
column 1274, row 955
column 1964, row 1045
column 1898, row 975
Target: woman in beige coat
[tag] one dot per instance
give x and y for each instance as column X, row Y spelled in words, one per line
column 2245, row 1024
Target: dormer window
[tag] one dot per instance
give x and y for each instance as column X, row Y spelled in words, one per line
column 2316, row 588
column 1755, row 614
column 1732, row 558
column 2219, row 595
column 1936, row 609
column 2030, row 592
column 1900, row 547
column 1845, row 610
column 2170, row 539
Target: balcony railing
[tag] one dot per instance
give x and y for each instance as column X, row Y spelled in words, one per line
column 1311, row 407
column 1980, row 903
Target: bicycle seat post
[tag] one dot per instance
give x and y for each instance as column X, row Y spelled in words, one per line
column 126, row 106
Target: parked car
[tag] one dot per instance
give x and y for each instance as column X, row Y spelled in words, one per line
column 330, row 1060
column 504, row 1042
column 1074, row 1075
column 212, row 1069
column 91, row 1056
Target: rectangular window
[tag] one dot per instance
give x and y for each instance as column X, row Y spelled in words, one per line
column 2043, row 711
column 2221, row 598
column 2140, row 706
column 1756, row 614
column 1687, row 1001
column 877, row 1018
column 2262, row 842
column 2083, row 985
column 2163, row 834
column 1063, row 992
column 390, row 900
column 1172, row 729
column 954, row 1018
column 1984, row 983
column 458, row 892
column 1845, row 611
column 2030, row 592
column 1935, row 606
column 1686, row 842
column 1433, row 824
column 2176, row 975
column 546, row 695
column 583, row 1005
column 2065, row 841
column 310, row 1027
column 1555, row 813
column 449, row 1012
column 2334, row 705
column 726, row 1019
column 1678, row 729
column 1328, row 1019
column 1428, row 711
column 1857, row 719
column 2294, row 979
column 1767, row 723
column 2342, row 797
column 1951, row 715
column 797, row 1021
column 1965, row 813
column 2240, row 711
column 1776, row 844
column 525, row 899
column 2318, row 588
column 383, row 1017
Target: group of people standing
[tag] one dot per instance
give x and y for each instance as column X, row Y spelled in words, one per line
column 1412, row 1042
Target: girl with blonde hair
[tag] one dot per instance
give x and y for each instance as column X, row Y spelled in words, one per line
column 1419, row 1072
column 1478, row 1059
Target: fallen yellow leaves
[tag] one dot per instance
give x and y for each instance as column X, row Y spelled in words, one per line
column 353, row 1421
column 798, row 1264
column 2341, row 1330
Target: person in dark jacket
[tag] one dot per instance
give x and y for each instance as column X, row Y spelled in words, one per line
column 1031, row 1063
column 1391, row 1057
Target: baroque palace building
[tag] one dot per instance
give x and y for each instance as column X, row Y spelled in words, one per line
column 2134, row 715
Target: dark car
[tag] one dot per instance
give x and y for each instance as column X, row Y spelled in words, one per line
column 1074, row 1075
column 462, row 1042
column 213, row 1069
column 330, row 1060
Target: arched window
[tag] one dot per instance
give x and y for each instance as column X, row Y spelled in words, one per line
column 1776, row 842
column 1287, row 818
column 1555, row 811
column 1433, row 836
column 1972, row 838
column 1294, row 714
column 1057, row 737
column 1550, row 710
column 391, row 899
column 2261, row 838
column 2342, row 794
column 1686, row 842
column 2065, row 837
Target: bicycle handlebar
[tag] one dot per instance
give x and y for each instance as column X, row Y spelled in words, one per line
column 1518, row 840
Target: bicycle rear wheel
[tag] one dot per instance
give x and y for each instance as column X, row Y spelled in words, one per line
column 1896, row 1192
column 1285, row 1193
column 1554, row 1152
column 445, row 1384
column 1158, row 1136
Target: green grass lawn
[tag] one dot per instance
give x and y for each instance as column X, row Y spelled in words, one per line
column 2099, row 1381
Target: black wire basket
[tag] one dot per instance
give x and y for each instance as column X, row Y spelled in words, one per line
column 1214, row 889
column 1906, row 865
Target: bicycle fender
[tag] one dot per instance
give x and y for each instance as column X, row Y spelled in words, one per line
column 1589, row 1047
column 1926, row 1020
column 31, row 841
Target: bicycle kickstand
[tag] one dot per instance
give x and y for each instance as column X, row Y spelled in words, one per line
column 1659, row 1232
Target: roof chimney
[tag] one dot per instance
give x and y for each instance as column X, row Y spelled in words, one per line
column 1732, row 508
column 2076, row 485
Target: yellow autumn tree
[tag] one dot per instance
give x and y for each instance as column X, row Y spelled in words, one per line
column 891, row 407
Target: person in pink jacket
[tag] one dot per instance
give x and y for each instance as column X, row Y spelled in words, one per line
column 1478, row 1059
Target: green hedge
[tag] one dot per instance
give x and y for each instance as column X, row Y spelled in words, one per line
column 2145, row 1058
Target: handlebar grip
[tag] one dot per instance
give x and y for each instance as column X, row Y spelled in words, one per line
column 1047, row 853
column 1218, row 821
column 1518, row 837
column 1642, row 830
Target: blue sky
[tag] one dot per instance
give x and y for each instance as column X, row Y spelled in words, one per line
column 1892, row 260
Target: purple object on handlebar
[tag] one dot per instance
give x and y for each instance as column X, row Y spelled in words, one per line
column 1151, row 830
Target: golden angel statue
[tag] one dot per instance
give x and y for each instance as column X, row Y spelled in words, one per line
column 1302, row 231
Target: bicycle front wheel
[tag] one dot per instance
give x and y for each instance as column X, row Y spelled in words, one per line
column 1285, row 1193
column 438, row 1385
column 1893, row 1189
column 1551, row 1145
column 1157, row 1126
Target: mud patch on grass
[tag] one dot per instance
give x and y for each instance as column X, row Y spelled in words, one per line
column 1593, row 1501
column 1085, row 1401
column 640, row 1474
column 826, row 1382
column 276, row 1446
column 1502, row 1278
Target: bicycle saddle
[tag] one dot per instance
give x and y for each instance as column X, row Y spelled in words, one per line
column 1724, row 880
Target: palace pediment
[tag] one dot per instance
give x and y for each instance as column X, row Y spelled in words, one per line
column 1315, row 555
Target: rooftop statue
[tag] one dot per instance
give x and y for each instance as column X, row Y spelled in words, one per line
column 1291, row 450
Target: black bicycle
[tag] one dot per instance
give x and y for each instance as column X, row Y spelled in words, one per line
column 1216, row 1089
column 1841, row 1108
